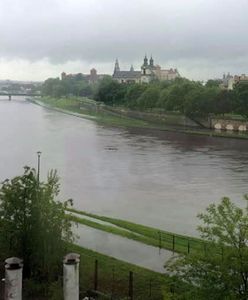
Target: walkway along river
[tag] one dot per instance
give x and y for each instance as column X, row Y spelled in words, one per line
column 123, row 249
column 161, row 181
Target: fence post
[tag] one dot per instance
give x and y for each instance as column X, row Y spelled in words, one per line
column 13, row 278
column 150, row 288
column 130, row 289
column 159, row 241
column 188, row 247
column 71, row 276
column 173, row 243
column 113, row 282
column 96, row 276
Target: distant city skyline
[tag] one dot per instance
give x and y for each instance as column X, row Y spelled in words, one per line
column 42, row 38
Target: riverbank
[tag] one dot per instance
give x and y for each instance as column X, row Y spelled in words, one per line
column 141, row 233
column 89, row 109
column 113, row 277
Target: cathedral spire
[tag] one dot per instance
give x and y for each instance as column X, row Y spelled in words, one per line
column 117, row 67
column 151, row 62
column 145, row 61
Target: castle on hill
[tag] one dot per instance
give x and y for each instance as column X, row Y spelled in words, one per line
column 91, row 78
column 148, row 72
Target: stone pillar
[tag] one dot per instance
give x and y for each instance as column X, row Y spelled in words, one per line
column 71, row 276
column 13, row 278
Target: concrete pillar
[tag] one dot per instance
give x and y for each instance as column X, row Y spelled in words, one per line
column 13, row 278
column 71, row 276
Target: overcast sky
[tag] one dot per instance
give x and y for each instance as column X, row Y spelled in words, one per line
column 42, row 38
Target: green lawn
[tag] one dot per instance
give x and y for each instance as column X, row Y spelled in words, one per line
column 113, row 276
column 144, row 234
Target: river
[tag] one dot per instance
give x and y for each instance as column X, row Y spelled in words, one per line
column 159, row 179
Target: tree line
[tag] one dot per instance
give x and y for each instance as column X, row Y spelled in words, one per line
column 191, row 98
column 69, row 86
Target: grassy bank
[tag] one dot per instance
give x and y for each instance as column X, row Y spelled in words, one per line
column 144, row 234
column 112, row 279
column 88, row 109
column 113, row 276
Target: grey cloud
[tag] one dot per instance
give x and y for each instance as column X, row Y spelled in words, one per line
column 96, row 31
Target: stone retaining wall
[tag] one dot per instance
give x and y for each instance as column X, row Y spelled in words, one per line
column 169, row 119
column 230, row 125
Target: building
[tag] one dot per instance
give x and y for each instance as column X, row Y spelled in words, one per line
column 91, row 78
column 228, row 81
column 240, row 79
column 130, row 76
column 148, row 72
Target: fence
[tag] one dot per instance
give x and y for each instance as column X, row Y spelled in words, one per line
column 101, row 278
column 114, row 282
column 107, row 278
column 180, row 244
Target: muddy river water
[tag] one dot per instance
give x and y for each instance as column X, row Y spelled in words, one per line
column 160, row 179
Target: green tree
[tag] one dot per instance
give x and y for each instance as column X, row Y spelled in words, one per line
column 223, row 102
column 134, row 91
column 33, row 224
column 163, row 99
column 149, row 98
column 177, row 94
column 221, row 271
column 200, row 102
column 241, row 99
column 213, row 83
column 111, row 92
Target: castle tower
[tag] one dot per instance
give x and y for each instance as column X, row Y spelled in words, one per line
column 145, row 61
column 93, row 76
column 63, row 75
column 151, row 62
column 117, row 67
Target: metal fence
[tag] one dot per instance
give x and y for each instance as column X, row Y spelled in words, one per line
column 112, row 282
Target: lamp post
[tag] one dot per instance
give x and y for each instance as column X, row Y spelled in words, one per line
column 38, row 171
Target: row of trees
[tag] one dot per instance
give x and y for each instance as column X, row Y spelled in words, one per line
column 191, row 98
column 187, row 97
column 69, row 86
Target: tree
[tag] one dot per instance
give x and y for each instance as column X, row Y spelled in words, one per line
column 176, row 96
column 110, row 92
column 241, row 99
column 134, row 91
column 33, row 224
column 224, row 102
column 213, row 83
column 149, row 98
column 163, row 99
column 221, row 271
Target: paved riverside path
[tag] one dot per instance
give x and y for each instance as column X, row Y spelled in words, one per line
column 122, row 248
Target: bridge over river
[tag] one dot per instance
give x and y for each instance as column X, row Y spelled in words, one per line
column 9, row 95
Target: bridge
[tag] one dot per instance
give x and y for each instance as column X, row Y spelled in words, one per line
column 10, row 94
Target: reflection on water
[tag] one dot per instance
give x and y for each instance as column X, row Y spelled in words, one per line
column 162, row 179
column 121, row 248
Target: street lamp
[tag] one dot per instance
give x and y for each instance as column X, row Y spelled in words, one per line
column 38, row 171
